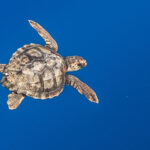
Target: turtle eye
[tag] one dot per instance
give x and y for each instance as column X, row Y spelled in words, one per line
column 80, row 65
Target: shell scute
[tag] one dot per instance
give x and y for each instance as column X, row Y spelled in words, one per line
column 34, row 53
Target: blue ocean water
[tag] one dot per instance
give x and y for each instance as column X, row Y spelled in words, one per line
column 114, row 38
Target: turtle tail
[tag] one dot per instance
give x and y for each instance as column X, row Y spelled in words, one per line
column 2, row 66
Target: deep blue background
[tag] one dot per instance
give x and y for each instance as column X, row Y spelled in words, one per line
column 114, row 37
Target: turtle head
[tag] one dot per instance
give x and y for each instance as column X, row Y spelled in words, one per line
column 74, row 63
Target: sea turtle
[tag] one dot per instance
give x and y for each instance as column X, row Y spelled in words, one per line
column 40, row 72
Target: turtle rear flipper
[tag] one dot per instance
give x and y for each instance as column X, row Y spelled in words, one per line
column 2, row 66
column 14, row 100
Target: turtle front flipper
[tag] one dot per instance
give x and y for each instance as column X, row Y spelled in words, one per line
column 82, row 88
column 14, row 100
column 2, row 66
column 50, row 42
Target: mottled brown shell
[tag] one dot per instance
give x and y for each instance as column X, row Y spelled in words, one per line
column 35, row 71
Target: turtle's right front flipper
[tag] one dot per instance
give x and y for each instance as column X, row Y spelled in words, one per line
column 2, row 66
column 82, row 88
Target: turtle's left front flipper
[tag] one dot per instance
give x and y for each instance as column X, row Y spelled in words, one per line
column 50, row 42
column 14, row 100
column 2, row 66
column 81, row 87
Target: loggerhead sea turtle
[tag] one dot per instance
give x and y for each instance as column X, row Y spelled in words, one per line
column 40, row 72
